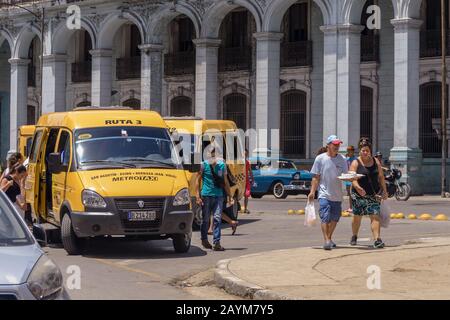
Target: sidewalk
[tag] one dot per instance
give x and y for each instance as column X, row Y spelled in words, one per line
column 417, row 270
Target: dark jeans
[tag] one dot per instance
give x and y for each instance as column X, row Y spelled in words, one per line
column 212, row 205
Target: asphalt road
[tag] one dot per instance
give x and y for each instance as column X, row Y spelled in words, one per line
column 116, row 269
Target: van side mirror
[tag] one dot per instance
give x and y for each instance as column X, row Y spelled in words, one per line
column 54, row 163
column 40, row 235
column 193, row 168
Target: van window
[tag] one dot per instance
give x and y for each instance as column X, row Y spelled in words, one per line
column 36, row 146
column 125, row 146
column 64, row 147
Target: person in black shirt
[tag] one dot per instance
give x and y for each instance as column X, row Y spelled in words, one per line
column 367, row 192
column 11, row 185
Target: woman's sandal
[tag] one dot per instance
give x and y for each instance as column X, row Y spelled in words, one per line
column 234, row 227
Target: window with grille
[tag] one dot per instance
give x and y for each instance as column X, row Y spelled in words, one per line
column 181, row 107
column 133, row 103
column 430, row 108
column 235, row 109
column 366, row 114
column 293, row 124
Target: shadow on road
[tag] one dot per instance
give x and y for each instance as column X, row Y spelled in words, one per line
column 128, row 249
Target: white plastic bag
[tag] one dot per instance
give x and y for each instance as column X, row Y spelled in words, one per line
column 310, row 215
column 385, row 214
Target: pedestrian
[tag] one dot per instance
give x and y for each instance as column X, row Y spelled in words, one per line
column 249, row 180
column 367, row 192
column 11, row 185
column 13, row 159
column 211, row 196
column 348, row 185
column 326, row 169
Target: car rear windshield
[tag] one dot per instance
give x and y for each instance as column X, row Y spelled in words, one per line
column 12, row 232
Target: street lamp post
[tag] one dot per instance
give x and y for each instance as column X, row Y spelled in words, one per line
column 40, row 18
column 444, row 102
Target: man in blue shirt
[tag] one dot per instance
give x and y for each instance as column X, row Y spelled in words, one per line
column 211, row 195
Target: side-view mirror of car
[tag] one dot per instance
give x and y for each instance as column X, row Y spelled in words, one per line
column 193, row 168
column 54, row 163
column 40, row 235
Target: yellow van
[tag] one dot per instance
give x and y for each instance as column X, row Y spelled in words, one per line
column 199, row 133
column 108, row 171
column 25, row 138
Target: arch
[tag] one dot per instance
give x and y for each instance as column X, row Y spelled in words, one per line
column 276, row 10
column 235, row 109
column 83, row 104
column 6, row 35
column 293, row 123
column 160, row 22
column 353, row 10
column 132, row 103
column 181, row 106
column 23, row 41
column 63, row 35
column 113, row 22
column 406, row 8
column 215, row 15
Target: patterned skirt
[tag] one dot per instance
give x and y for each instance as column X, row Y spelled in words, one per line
column 365, row 206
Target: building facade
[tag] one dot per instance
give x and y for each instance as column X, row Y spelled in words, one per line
column 309, row 68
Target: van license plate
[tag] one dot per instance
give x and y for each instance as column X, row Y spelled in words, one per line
column 142, row 215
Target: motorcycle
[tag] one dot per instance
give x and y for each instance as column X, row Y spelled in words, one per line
column 401, row 190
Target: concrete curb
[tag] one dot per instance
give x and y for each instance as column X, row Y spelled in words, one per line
column 226, row 280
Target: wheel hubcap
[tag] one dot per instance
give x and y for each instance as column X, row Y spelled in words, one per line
column 278, row 190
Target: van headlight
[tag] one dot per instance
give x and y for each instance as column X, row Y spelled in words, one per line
column 296, row 176
column 182, row 198
column 93, row 200
column 45, row 280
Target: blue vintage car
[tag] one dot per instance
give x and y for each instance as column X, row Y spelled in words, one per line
column 279, row 177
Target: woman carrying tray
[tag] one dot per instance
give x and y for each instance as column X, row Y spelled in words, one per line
column 367, row 192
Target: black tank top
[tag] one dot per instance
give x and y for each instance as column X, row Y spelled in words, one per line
column 13, row 191
column 369, row 182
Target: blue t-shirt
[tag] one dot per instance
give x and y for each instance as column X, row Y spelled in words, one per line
column 208, row 187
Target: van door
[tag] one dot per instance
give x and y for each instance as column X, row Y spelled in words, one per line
column 64, row 148
column 35, row 165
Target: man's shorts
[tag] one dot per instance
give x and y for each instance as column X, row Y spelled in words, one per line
column 330, row 211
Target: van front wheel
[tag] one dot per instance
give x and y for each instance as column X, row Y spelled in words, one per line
column 181, row 242
column 72, row 244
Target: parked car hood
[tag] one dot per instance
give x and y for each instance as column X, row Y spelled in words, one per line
column 17, row 263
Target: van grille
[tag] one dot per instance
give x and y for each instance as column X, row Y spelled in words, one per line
column 126, row 205
column 132, row 204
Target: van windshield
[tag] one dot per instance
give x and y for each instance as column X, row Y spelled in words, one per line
column 125, row 147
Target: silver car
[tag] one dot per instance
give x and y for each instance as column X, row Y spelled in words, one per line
column 26, row 273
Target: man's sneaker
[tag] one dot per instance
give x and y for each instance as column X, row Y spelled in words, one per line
column 206, row 244
column 333, row 245
column 328, row 246
column 218, row 247
column 354, row 241
column 378, row 244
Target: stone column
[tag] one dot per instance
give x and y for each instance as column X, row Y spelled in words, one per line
column 406, row 154
column 101, row 77
column 151, row 77
column 268, row 89
column 54, row 85
column 342, row 82
column 206, row 68
column 19, row 98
